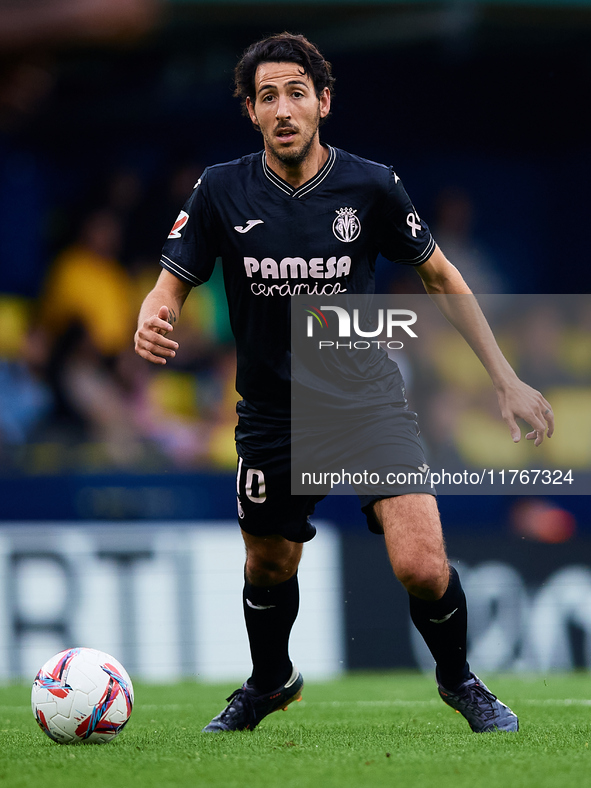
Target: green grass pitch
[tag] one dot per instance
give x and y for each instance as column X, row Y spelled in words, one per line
column 361, row 730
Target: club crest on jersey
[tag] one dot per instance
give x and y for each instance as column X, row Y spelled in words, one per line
column 181, row 221
column 346, row 226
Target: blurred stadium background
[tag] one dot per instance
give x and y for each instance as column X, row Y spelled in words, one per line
column 116, row 479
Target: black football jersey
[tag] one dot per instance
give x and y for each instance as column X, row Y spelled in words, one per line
column 276, row 241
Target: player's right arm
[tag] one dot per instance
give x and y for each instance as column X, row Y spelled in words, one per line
column 159, row 313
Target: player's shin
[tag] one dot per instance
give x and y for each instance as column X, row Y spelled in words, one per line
column 269, row 613
column 443, row 625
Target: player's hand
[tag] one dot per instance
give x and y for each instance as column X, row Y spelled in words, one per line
column 518, row 400
column 151, row 342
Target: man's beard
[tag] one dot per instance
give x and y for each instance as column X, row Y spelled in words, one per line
column 292, row 158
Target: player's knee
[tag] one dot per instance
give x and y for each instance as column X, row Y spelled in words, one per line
column 264, row 570
column 427, row 579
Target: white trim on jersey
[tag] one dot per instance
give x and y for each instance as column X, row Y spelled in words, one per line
column 275, row 179
column 307, row 187
column 179, row 271
column 420, row 258
column 321, row 175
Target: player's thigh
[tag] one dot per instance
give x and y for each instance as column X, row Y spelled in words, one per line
column 414, row 538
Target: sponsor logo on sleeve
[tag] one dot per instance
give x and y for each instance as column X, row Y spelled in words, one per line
column 414, row 222
column 181, row 221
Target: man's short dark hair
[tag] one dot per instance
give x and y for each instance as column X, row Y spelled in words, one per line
column 281, row 48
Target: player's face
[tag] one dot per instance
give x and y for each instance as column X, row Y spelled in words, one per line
column 287, row 111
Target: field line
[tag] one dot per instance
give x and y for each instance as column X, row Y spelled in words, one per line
column 436, row 702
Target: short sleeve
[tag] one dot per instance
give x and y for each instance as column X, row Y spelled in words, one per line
column 190, row 250
column 403, row 237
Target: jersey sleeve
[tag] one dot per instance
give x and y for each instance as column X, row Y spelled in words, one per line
column 190, row 250
column 403, row 236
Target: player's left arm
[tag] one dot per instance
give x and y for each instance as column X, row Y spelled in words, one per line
column 457, row 303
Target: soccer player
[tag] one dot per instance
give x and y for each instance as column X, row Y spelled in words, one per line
column 272, row 217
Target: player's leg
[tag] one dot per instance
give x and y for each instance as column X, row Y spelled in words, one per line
column 271, row 602
column 416, row 549
column 414, row 541
column 271, row 593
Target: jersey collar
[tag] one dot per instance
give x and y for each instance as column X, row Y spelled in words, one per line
column 305, row 188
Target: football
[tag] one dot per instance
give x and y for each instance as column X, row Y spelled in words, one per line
column 82, row 695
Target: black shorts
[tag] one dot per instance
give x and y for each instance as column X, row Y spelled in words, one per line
column 389, row 443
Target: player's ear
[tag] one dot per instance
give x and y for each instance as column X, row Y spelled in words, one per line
column 324, row 103
column 250, row 110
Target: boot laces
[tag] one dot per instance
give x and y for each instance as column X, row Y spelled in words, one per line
column 483, row 700
column 240, row 700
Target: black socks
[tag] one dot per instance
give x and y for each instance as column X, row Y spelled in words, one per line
column 443, row 626
column 269, row 613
